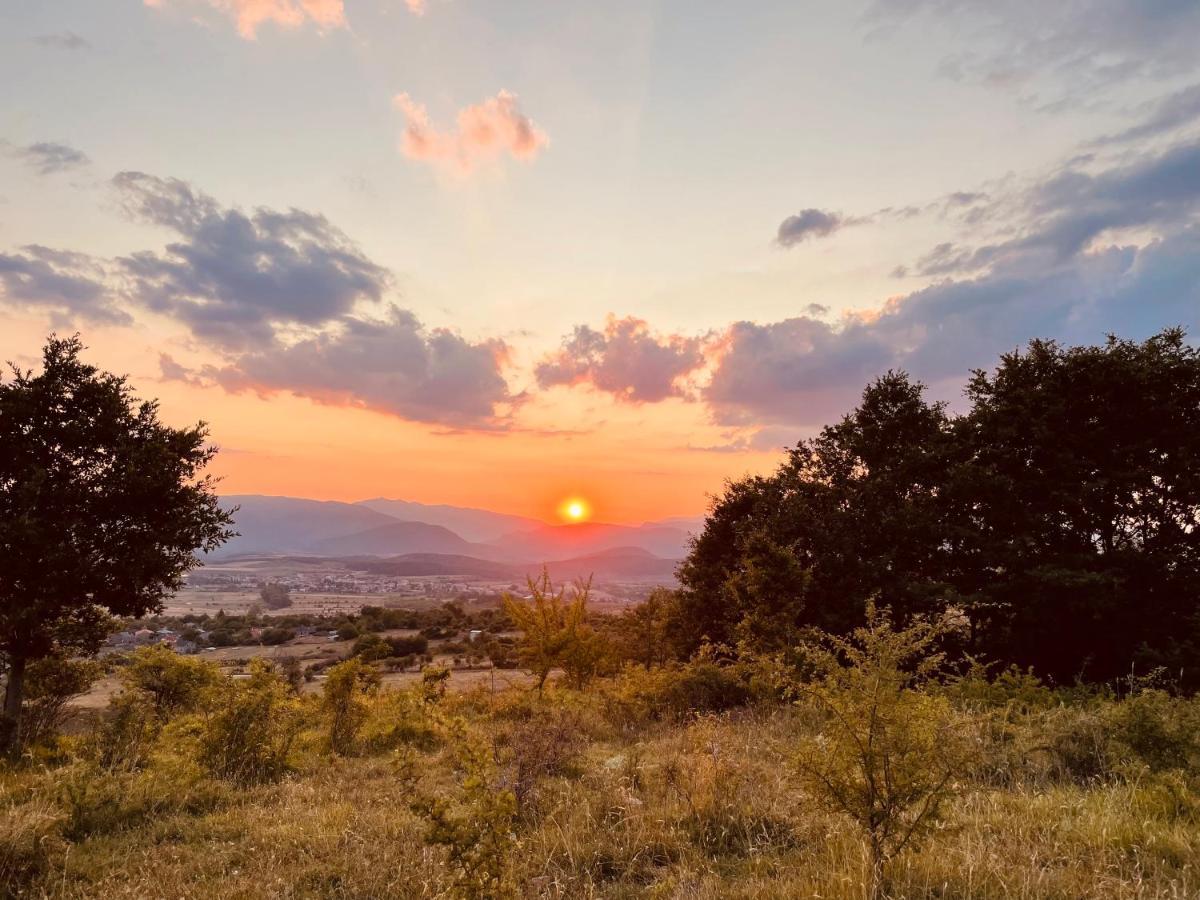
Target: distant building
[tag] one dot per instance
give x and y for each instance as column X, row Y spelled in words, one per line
column 474, row 634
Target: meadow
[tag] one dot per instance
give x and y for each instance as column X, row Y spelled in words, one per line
column 681, row 780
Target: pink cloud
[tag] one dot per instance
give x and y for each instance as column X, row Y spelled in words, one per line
column 416, row 7
column 485, row 131
column 249, row 14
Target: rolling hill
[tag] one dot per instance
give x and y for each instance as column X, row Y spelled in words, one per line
column 470, row 524
column 618, row 564
column 558, row 542
column 292, row 524
column 394, row 539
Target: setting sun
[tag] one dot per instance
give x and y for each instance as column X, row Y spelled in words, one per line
column 575, row 510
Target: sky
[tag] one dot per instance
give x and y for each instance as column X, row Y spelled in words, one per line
column 502, row 252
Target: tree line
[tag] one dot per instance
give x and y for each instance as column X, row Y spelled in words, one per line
column 1057, row 516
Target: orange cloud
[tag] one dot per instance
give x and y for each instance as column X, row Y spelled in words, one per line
column 249, row 14
column 485, row 131
column 416, row 7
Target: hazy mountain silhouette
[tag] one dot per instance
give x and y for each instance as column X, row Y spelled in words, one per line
column 394, row 539
column 556, row 542
column 619, row 563
column 291, row 525
column 467, row 522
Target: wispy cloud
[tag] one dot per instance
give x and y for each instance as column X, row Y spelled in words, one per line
column 249, row 15
column 1083, row 45
column 62, row 282
column 62, row 40
column 483, row 133
column 49, row 158
column 810, row 224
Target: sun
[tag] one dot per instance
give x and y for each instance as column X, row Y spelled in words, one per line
column 574, row 509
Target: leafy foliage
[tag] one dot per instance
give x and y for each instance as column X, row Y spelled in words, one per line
column 555, row 633
column 889, row 755
column 101, row 509
column 1060, row 515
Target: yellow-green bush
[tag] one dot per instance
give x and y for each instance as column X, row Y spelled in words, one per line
column 246, row 738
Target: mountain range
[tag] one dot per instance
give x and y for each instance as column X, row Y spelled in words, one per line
column 422, row 539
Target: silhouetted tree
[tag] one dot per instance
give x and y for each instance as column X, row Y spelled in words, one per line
column 101, row 509
column 1079, row 502
column 1061, row 513
column 851, row 514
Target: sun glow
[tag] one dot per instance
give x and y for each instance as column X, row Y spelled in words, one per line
column 574, row 509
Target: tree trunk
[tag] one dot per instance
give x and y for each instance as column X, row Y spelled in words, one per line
column 10, row 720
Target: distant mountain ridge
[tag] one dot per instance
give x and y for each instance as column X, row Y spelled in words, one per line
column 291, row 525
column 467, row 522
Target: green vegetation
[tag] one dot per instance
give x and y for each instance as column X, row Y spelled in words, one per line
column 102, row 508
column 861, row 768
column 1059, row 515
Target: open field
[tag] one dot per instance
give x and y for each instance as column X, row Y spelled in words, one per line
column 614, row 803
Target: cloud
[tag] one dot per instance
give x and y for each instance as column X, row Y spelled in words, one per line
column 1063, row 214
column 233, row 277
column 802, row 372
column 1085, row 44
column 63, row 40
column 1168, row 114
column 483, row 133
column 626, row 360
column 248, row 15
column 416, row 7
column 63, row 282
column 809, row 223
column 1061, row 271
column 49, row 158
column 391, row 365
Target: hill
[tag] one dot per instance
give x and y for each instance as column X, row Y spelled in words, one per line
column 558, row 542
column 394, row 539
column 469, row 523
column 291, row 524
column 618, row 564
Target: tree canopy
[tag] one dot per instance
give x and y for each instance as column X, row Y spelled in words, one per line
column 1059, row 513
column 102, row 508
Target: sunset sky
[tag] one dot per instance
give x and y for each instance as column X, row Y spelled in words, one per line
column 505, row 252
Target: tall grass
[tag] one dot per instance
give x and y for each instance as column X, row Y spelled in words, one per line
column 614, row 796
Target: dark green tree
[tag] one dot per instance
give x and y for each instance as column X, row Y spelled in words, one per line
column 102, row 508
column 275, row 595
column 851, row 514
column 1078, row 505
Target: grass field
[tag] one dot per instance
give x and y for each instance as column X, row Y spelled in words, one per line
column 680, row 783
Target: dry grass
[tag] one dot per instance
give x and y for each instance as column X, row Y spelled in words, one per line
column 705, row 808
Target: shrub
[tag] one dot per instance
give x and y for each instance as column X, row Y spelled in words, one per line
column 678, row 691
column 1155, row 730
column 174, row 683
column 433, row 683
column 344, row 702
column 889, row 753
column 546, row 744
column 476, row 823
column 408, row 645
column 124, row 739
column 247, row 737
column 371, row 647
column 50, row 684
column 276, row 635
